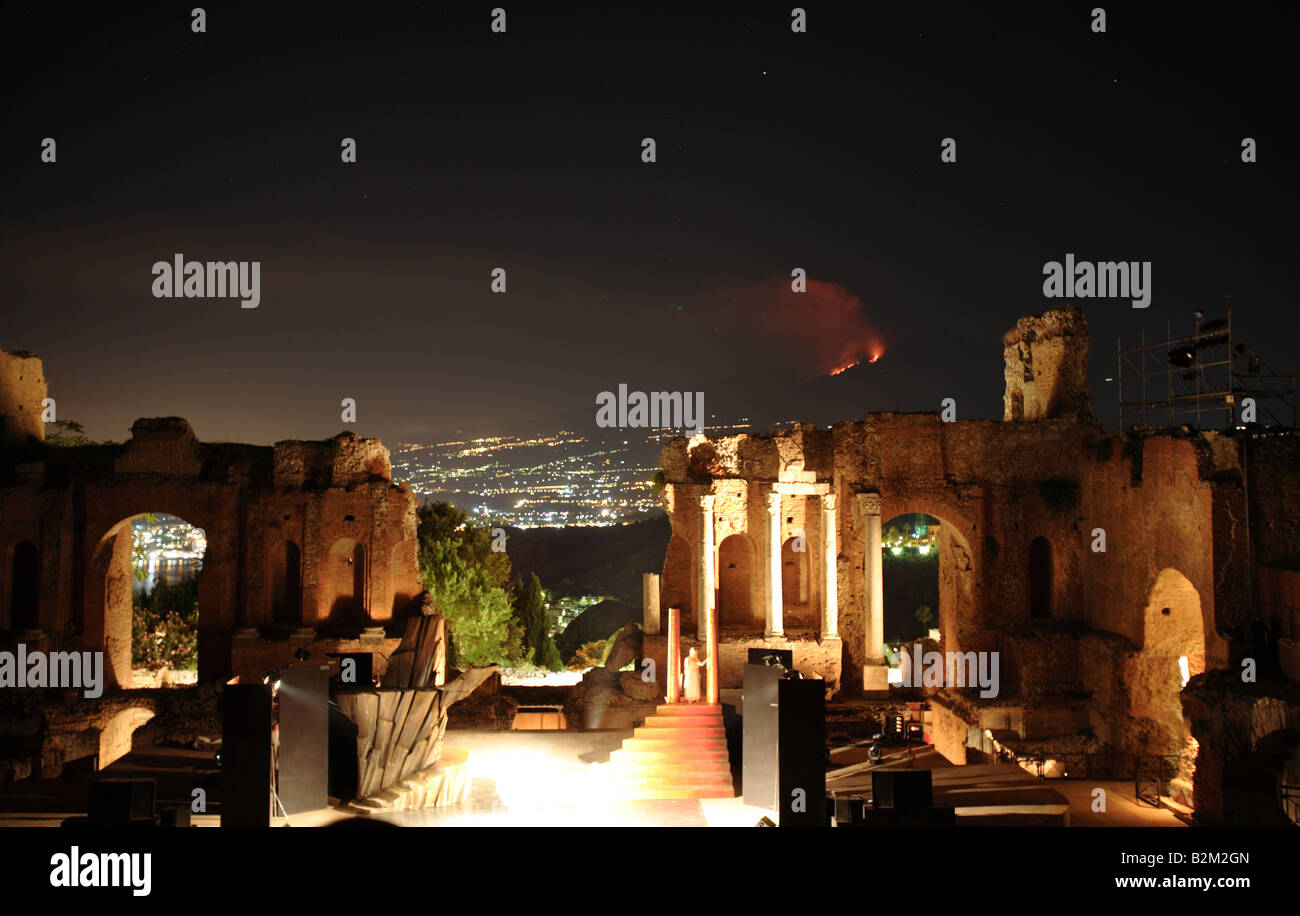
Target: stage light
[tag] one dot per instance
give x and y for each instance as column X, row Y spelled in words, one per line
column 1182, row 357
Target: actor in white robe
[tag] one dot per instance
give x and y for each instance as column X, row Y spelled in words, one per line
column 691, row 666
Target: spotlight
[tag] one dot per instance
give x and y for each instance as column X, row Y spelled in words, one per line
column 301, row 654
column 1182, row 357
column 1254, row 365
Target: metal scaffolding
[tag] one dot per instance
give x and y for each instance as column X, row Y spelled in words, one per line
column 1192, row 379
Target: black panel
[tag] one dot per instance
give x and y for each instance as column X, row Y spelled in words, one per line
column 759, row 736
column 904, row 789
column 304, row 738
column 801, row 719
column 343, row 755
column 246, row 755
column 118, row 801
column 364, row 671
column 174, row 816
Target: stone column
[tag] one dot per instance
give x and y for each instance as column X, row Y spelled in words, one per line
column 875, row 673
column 674, row 655
column 775, row 621
column 705, row 598
column 650, row 603
column 830, row 553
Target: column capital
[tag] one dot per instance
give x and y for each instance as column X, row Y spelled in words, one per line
column 828, row 502
column 774, row 503
column 870, row 503
column 706, row 502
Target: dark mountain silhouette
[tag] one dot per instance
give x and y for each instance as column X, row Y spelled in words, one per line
column 592, row 560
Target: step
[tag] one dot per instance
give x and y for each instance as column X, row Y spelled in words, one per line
column 688, row 732
column 676, row 792
column 661, row 780
column 670, row 744
column 668, row 780
column 700, row 754
column 688, row 709
column 685, row 722
column 617, row 787
column 677, row 765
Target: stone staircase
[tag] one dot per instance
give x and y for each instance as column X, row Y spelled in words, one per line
column 680, row 752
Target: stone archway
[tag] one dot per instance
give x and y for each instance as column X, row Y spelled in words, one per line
column 910, row 569
column 346, row 577
column 736, row 568
column 1173, row 652
column 286, row 584
column 678, row 580
column 106, row 623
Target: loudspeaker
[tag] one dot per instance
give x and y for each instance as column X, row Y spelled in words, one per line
column 801, row 753
column 246, row 755
column 118, row 801
column 904, row 789
column 759, row 735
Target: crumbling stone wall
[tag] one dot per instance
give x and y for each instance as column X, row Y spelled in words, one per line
column 1046, row 368
column 22, row 389
column 76, row 504
column 1151, row 532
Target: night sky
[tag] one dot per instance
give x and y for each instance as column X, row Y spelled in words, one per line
column 478, row 150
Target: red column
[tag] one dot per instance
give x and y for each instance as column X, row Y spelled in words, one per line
column 674, row 654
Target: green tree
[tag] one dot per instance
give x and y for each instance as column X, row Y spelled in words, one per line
column 66, row 433
column 530, row 611
column 443, row 522
column 165, row 626
column 465, row 577
column 549, row 658
column 590, row 655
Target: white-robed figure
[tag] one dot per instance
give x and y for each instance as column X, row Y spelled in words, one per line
column 691, row 666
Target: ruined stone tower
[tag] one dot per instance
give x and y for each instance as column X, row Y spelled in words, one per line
column 1046, row 368
column 22, row 389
